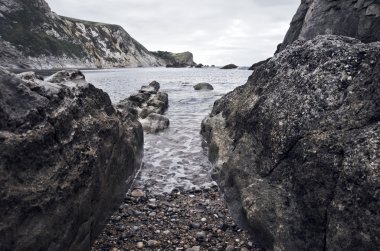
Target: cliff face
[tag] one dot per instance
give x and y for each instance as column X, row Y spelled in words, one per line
column 297, row 148
column 358, row 18
column 66, row 159
column 34, row 37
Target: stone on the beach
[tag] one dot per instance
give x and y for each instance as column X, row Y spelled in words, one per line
column 195, row 225
column 200, row 236
column 194, row 248
column 203, row 86
column 153, row 243
column 137, row 193
column 140, row 245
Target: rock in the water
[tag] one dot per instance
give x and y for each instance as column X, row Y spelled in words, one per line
column 153, row 87
column 65, row 76
column 149, row 104
column 155, row 123
column 176, row 60
column 66, row 158
column 358, row 19
column 229, row 67
column 203, row 86
column 297, row 148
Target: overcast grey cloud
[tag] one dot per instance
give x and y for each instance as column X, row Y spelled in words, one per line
column 216, row 31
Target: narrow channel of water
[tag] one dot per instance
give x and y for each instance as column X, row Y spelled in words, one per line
column 173, row 158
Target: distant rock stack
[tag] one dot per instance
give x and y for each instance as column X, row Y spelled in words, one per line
column 149, row 104
column 66, row 160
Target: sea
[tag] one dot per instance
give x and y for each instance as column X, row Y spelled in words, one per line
column 174, row 158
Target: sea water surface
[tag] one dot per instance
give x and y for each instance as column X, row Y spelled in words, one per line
column 173, row 158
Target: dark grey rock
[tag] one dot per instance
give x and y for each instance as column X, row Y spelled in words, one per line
column 296, row 149
column 229, row 67
column 195, row 225
column 176, row 60
column 203, row 86
column 66, row 159
column 256, row 65
column 358, row 19
column 200, row 236
column 148, row 105
column 152, row 88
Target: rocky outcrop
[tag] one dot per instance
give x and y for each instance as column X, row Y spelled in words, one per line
column 149, row 104
column 203, row 86
column 229, row 67
column 256, row 65
column 34, row 37
column 66, row 159
column 176, row 60
column 297, row 148
column 359, row 19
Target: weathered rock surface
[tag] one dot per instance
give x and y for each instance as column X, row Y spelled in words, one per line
column 229, row 67
column 297, row 148
column 203, row 86
column 34, row 37
column 359, row 19
column 66, row 158
column 256, row 65
column 149, row 104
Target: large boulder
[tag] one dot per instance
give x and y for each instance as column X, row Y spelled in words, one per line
column 148, row 101
column 296, row 149
column 66, row 160
column 358, row 19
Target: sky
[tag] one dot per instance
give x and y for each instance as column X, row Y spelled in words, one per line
column 217, row 32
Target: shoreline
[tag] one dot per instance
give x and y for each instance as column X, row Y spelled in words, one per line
column 182, row 220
